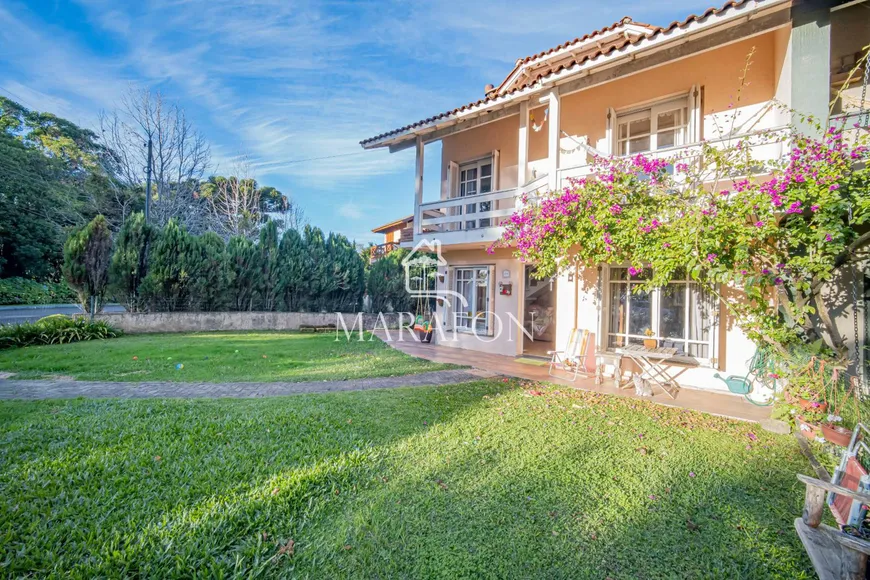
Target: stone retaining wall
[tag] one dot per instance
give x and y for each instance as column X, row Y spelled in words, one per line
column 211, row 321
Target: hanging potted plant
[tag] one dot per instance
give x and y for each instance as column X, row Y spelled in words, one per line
column 809, row 425
column 836, row 428
column 649, row 341
column 806, row 388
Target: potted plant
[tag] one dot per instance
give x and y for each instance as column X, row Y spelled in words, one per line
column 806, row 387
column 649, row 341
column 838, row 426
column 809, row 424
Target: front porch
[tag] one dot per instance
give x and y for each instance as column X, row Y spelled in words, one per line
column 721, row 404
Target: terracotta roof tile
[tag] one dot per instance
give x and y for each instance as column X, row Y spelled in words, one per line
column 622, row 22
column 656, row 31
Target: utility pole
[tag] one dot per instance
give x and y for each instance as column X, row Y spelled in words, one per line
column 148, row 184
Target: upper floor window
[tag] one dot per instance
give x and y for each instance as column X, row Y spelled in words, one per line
column 656, row 127
column 475, row 178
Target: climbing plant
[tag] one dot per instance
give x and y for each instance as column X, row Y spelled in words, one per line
column 777, row 231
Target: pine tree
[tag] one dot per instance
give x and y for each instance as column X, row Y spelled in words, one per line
column 321, row 281
column 129, row 264
column 385, row 283
column 209, row 265
column 268, row 276
column 167, row 283
column 243, row 274
column 86, row 256
column 294, row 272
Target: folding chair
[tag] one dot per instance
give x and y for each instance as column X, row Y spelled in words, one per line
column 572, row 359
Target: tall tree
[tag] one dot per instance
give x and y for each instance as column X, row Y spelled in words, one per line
column 268, row 266
column 320, row 280
column 52, row 178
column 129, row 264
column 87, row 254
column 242, row 274
column 208, row 273
column 294, row 272
column 181, row 155
column 170, row 261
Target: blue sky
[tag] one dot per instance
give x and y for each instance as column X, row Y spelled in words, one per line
column 283, row 80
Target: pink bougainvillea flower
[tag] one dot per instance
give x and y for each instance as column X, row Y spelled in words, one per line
column 759, row 224
column 828, row 238
column 711, row 258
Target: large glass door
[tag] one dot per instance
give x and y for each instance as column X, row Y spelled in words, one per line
column 539, row 314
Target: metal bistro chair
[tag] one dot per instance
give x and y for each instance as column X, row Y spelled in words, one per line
column 572, row 359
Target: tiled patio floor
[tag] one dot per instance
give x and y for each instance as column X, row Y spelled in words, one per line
column 723, row 404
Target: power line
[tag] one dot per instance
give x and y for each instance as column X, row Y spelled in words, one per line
column 19, row 99
column 314, row 158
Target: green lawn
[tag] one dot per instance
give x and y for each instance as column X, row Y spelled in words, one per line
column 478, row 480
column 216, row 357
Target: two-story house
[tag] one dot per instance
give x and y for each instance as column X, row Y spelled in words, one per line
column 396, row 233
column 623, row 89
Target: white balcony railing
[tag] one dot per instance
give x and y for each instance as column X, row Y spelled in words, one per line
column 475, row 218
column 765, row 145
column 480, row 218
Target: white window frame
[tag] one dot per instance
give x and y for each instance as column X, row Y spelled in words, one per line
column 465, row 317
column 656, row 309
column 477, row 207
column 652, row 112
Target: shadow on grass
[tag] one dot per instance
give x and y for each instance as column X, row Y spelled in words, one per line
column 113, row 487
column 466, row 481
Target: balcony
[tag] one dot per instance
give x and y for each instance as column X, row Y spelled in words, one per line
column 478, row 218
column 381, row 250
column 765, row 146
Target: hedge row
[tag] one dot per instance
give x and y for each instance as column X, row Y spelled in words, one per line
column 170, row 270
column 24, row 291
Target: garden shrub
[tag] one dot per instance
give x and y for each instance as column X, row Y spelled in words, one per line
column 86, row 256
column 386, row 284
column 208, row 273
column 24, row 291
column 129, row 264
column 57, row 329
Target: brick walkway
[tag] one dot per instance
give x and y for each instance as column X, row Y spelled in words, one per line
column 69, row 389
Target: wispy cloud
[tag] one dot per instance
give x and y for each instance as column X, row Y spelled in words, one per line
column 291, row 80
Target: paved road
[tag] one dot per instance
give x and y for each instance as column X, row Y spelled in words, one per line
column 18, row 314
column 69, row 389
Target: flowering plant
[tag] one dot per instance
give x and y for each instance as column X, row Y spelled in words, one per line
column 765, row 235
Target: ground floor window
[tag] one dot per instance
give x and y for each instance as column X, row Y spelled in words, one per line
column 474, row 285
column 681, row 315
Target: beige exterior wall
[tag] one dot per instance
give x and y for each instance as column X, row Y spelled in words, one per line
column 583, row 114
column 717, row 71
column 505, row 339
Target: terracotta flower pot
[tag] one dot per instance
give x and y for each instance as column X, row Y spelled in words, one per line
column 807, row 405
column 650, row 343
column 836, row 434
column 808, row 430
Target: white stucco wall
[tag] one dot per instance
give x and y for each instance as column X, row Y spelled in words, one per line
column 505, row 339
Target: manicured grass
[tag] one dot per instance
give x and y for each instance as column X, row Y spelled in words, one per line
column 478, row 480
column 216, row 357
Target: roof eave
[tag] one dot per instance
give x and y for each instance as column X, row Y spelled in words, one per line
column 403, row 139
